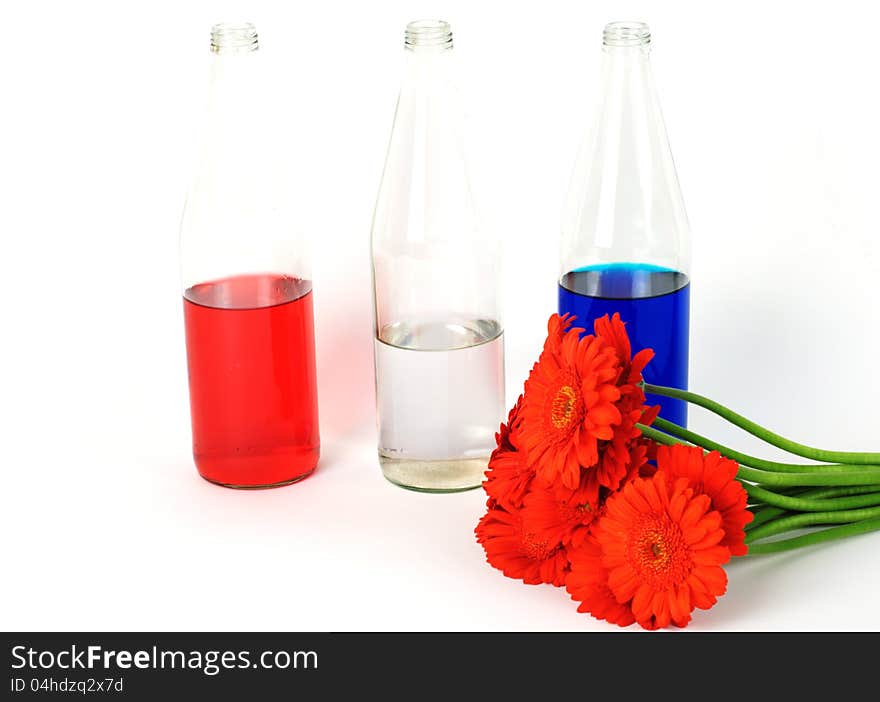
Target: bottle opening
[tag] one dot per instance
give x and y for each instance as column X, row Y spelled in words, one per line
column 626, row 34
column 233, row 38
column 428, row 34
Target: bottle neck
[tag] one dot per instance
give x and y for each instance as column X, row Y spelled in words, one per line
column 230, row 39
column 234, row 75
column 626, row 35
column 428, row 45
column 626, row 65
column 628, row 54
column 236, row 95
column 427, row 67
column 428, row 71
column 428, row 37
column 626, row 46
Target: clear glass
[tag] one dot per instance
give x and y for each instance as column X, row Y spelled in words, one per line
column 247, row 289
column 439, row 348
column 625, row 235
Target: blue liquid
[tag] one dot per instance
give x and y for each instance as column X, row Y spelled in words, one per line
column 655, row 304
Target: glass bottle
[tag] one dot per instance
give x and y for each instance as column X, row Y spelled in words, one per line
column 247, row 291
column 625, row 238
column 439, row 349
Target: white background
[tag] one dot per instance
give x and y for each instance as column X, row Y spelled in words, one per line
column 772, row 113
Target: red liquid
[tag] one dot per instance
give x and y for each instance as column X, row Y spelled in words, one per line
column 250, row 345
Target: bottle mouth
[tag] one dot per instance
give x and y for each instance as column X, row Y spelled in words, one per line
column 234, row 38
column 428, row 34
column 626, row 34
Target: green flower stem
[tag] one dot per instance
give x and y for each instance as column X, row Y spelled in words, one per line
column 798, row 521
column 770, row 437
column 794, row 491
column 805, row 504
column 860, row 477
column 815, row 537
column 753, row 461
column 822, row 493
column 764, row 514
column 659, row 436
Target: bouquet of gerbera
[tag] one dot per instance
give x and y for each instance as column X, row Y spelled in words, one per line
column 590, row 489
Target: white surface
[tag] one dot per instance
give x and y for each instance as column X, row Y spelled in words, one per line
column 772, row 115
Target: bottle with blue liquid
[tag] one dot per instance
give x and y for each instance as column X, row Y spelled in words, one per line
column 625, row 240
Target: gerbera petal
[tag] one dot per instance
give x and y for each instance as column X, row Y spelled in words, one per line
column 632, row 493
column 680, row 603
column 587, row 583
column 676, row 506
column 623, row 583
column 586, row 449
column 603, row 414
column 712, row 537
column 711, row 556
column 693, row 535
column 652, row 493
column 660, row 606
column 639, row 361
column 609, row 393
column 572, row 471
column 695, row 510
column 641, row 604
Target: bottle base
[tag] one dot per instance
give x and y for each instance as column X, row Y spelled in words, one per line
column 259, row 486
column 284, row 466
column 453, row 475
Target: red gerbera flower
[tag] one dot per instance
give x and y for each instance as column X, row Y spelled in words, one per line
column 561, row 516
column 713, row 475
column 508, row 476
column 613, row 332
column 518, row 554
column 568, row 404
column 661, row 546
column 587, row 583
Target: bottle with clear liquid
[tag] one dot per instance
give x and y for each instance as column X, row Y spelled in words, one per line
column 247, row 292
column 439, row 349
column 625, row 237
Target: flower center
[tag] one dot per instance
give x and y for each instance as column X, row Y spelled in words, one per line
column 658, row 558
column 535, row 548
column 562, row 410
column 658, row 552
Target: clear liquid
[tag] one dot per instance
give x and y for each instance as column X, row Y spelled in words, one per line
column 440, row 399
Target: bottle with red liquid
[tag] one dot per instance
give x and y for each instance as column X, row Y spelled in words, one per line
column 247, row 291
